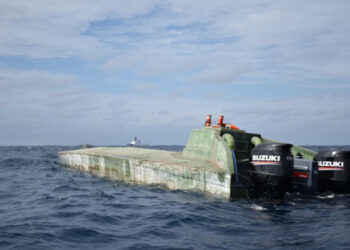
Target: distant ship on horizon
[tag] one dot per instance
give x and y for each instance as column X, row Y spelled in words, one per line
column 87, row 145
column 136, row 142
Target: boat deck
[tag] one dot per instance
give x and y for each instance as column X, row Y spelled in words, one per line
column 147, row 166
column 151, row 155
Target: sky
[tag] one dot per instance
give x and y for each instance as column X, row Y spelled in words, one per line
column 102, row 72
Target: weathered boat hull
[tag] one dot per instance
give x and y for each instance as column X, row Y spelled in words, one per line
column 144, row 166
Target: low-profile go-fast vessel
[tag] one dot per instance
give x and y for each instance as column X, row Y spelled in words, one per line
column 222, row 160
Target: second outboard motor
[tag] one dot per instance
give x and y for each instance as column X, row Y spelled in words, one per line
column 334, row 171
column 271, row 171
column 305, row 176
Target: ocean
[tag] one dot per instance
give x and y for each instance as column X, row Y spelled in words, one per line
column 45, row 205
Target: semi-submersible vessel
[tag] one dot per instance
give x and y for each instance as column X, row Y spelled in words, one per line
column 224, row 161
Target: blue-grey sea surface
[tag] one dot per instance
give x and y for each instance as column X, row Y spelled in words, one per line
column 45, row 205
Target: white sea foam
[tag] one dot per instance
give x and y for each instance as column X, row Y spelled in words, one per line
column 325, row 197
column 257, row 207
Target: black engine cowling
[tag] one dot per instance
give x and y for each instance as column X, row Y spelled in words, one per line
column 271, row 171
column 334, row 171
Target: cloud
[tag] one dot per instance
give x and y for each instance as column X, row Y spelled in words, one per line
column 48, row 98
column 153, row 62
column 57, row 30
column 279, row 41
column 221, row 75
column 58, row 110
column 146, row 38
column 32, row 79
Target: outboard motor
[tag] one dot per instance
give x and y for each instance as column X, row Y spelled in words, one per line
column 271, row 171
column 305, row 176
column 334, row 171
